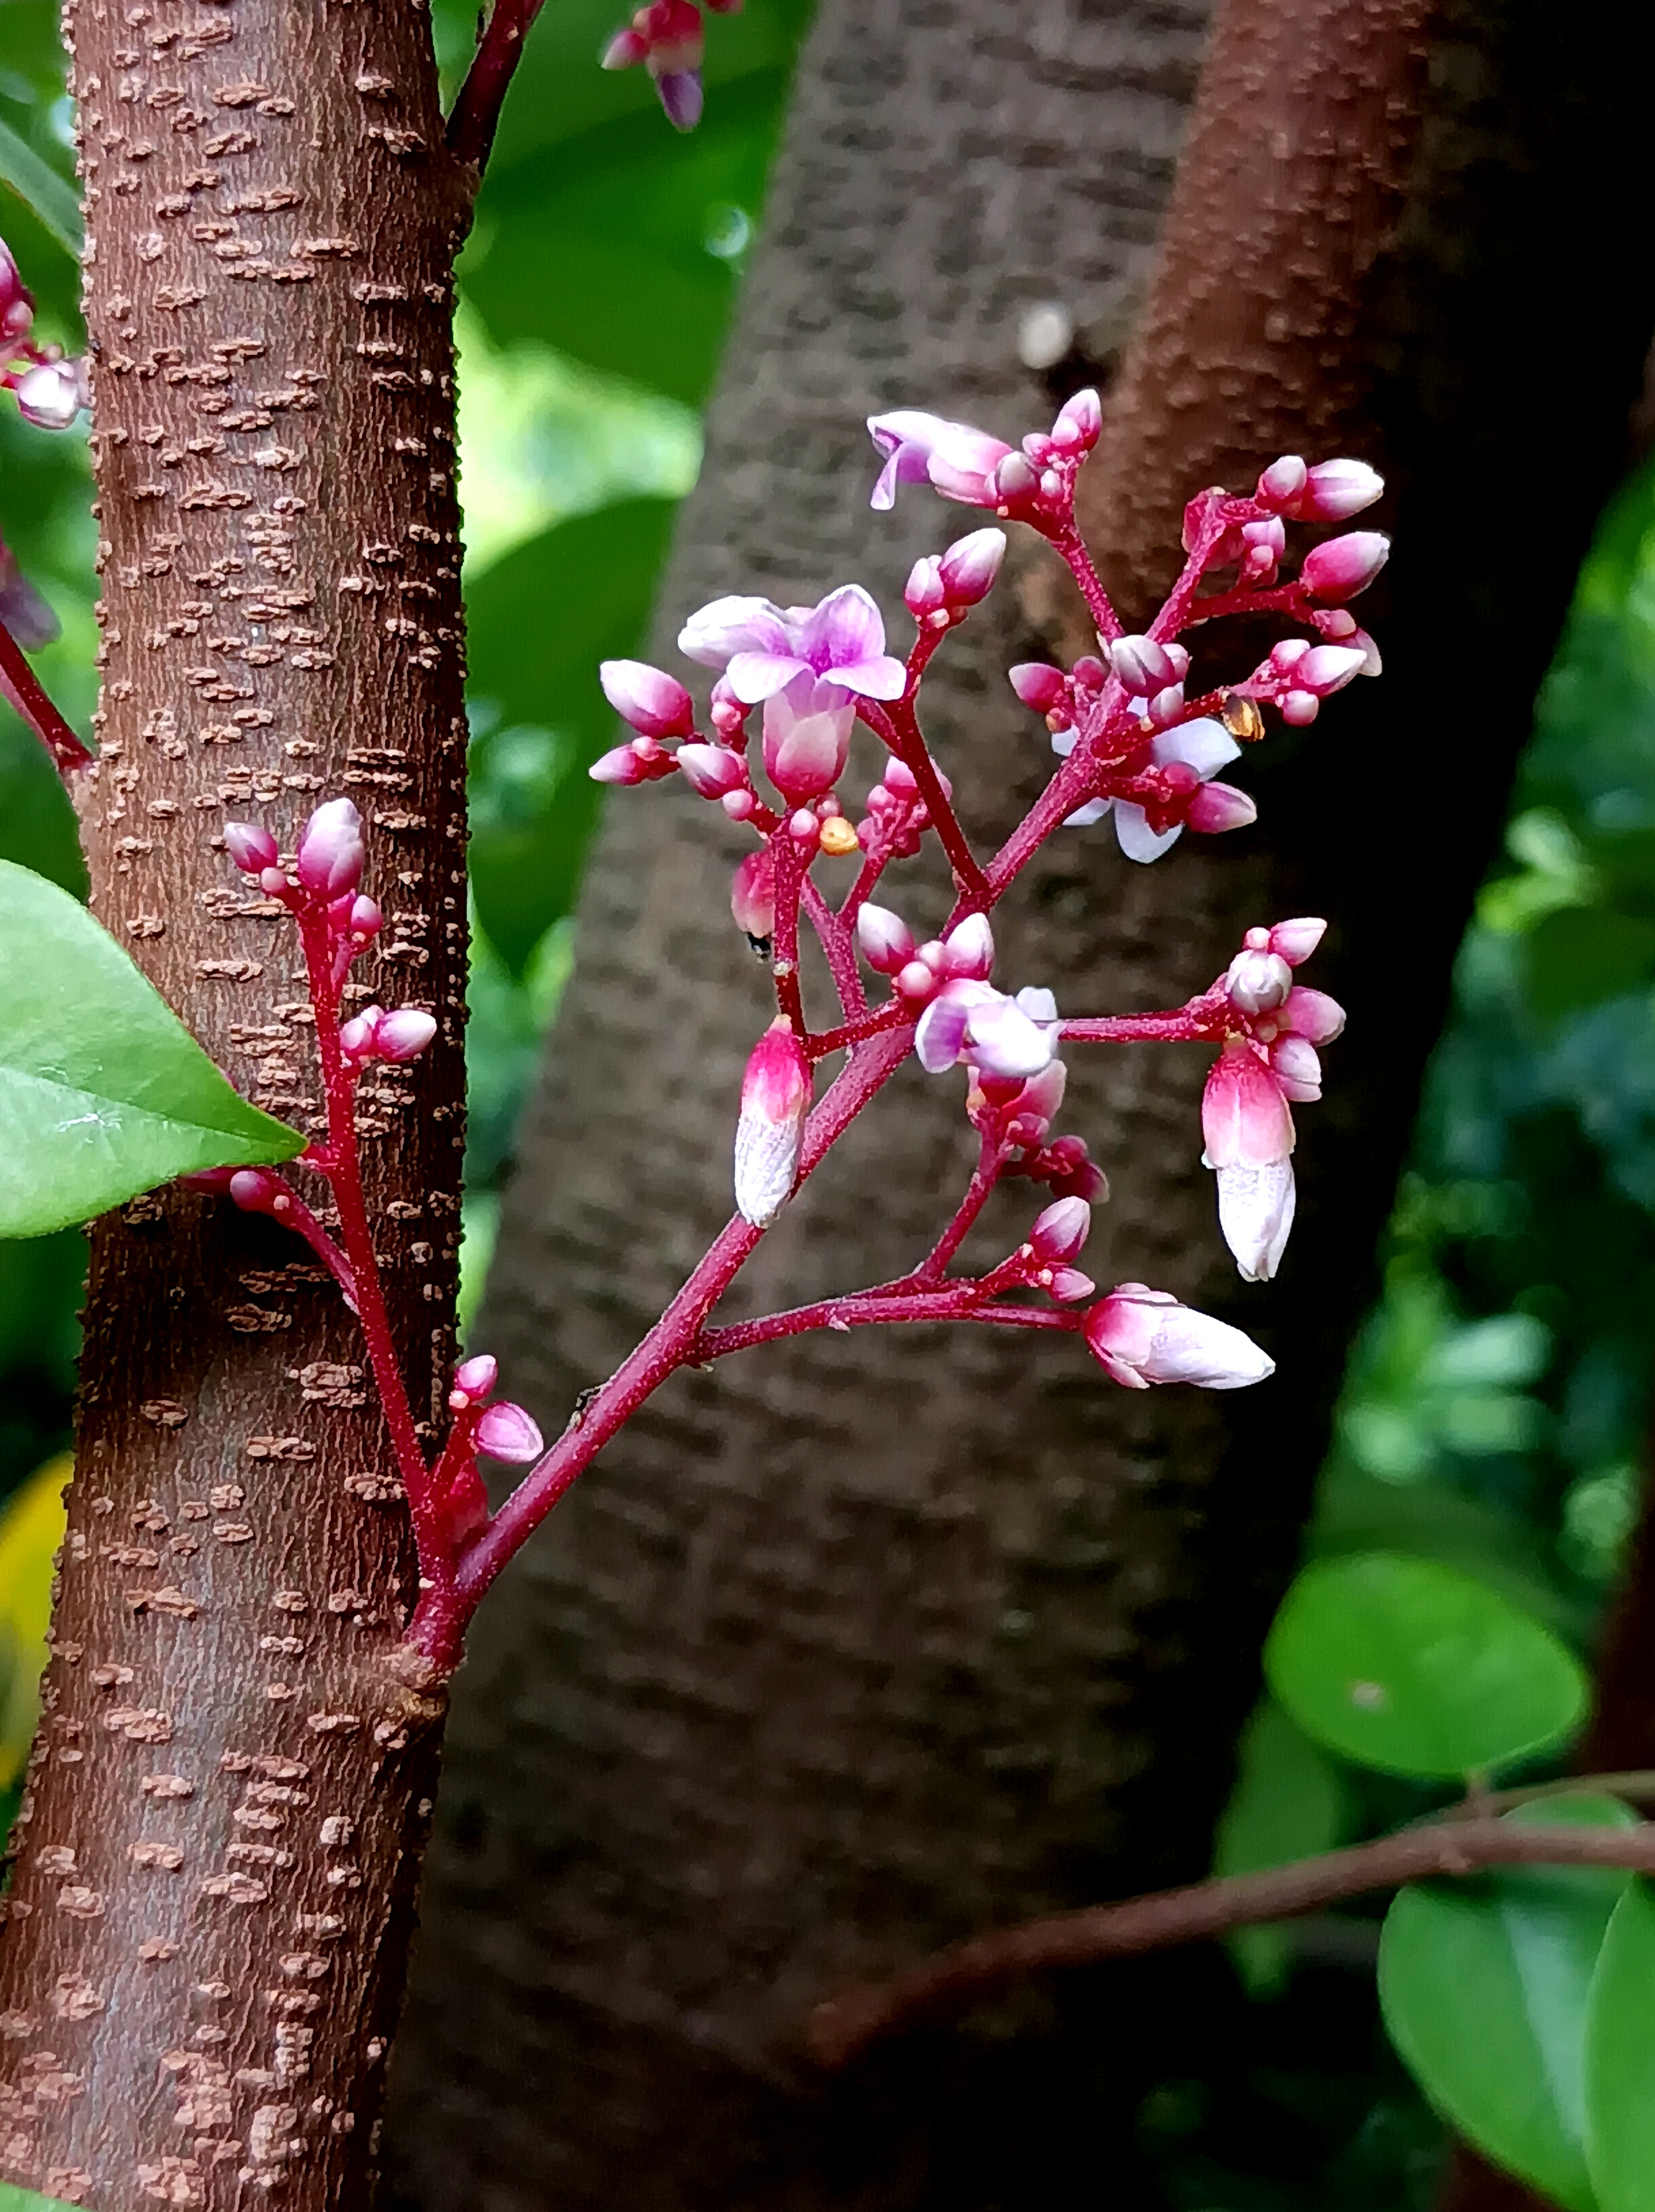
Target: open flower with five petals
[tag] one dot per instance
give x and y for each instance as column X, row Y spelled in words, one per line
column 763, row 648
column 1200, row 749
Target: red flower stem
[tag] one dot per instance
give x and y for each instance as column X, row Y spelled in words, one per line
column 1199, row 1022
column 867, row 877
column 790, row 864
column 476, row 114
column 864, row 1309
column 291, row 1210
column 835, row 941
column 669, row 1346
column 23, row 688
column 1068, row 543
column 898, row 727
column 343, row 1169
column 889, row 1016
column 1290, row 599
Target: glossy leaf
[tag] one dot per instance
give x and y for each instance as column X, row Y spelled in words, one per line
column 13, row 2199
column 41, row 189
column 540, row 621
column 1485, row 1989
column 1288, row 1803
column 1405, row 1665
column 1620, row 2058
column 103, row 1091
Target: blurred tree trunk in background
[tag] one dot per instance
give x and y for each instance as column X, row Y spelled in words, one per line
column 859, row 1644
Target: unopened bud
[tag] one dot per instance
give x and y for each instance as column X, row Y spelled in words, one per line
column 970, row 566
column 1068, row 1284
column 1079, row 420
column 330, row 856
column 887, row 941
column 507, row 1431
column 710, row 771
column 403, row 1034
column 1328, row 668
column 1258, row 982
column 1336, row 490
column 1345, row 566
column 1298, row 708
column 654, row 703
column 50, row 396
column 752, row 896
column 1039, row 685
column 477, row 1376
column 1295, row 940
column 1217, row 807
column 1283, row 482
column 251, row 848
column 366, row 921
column 1015, row 480
column 775, row 1097
column 1061, row 1230
column 968, row 949
column 922, row 594
column 255, row 1190
column 1143, row 666
column 1165, row 708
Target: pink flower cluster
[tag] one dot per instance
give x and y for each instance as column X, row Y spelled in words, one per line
column 50, row 390
column 665, row 36
column 1132, row 745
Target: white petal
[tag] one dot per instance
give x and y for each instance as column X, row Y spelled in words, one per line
column 1138, row 840
column 1084, row 817
column 766, row 1165
column 1206, row 746
column 1255, row 1212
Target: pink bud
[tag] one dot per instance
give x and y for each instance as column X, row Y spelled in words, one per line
column 970, row 566
column 1141, row 1337
column 804, row 750
column 1165, row 708
column 710, row 771
column 1015, row 480
column 17, row 304
column 478, row 1376
column 923, row 594
column 1287, row 653
column 506, row 1432
column 403, row 1034
column 1216, row 807
column 1313, row 1014
column 1283, row 482
column 1328, row 668
column 1244, row 1117
column 255, row 1190
column 620, row 764
column 752, row 896
column 968, row 949
column 1068, row 1284
column 623, row 50
column 330, row 856
column 1144, row 666
column 1258, row 982
column 917, row 981
column 1039, row 685
column 681, row 96
column 1061, row 1230
column 365, row 920
column 775, row 1097
column 1336, row 490
column 1296, row 940
column 652, row 701
column 1298, row 708
column 52, row 395
column 1345, row 566
column 252, row 849
column 1079, row 420
column 356, row 1036
column 887, row 941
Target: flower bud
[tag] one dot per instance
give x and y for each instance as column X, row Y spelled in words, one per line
column 403, row 1034
column 968, row 949
column 52, row 395
column 1328, row 668
column 923, row 594
column 477, row 1376
column 252, row 848
column 1079, row 422
column 1167, row 705
column 255, row 1190
column 358, row 1035
column 1140, row 1337
column 1342, row 567
column 1336, row 490
column 620, row 764
column 775, row 1097
column 1068, row 1284
column 1061, row 1230
column 330, row 856
column 682, row 97
column 1297, row 1066
column 625, row 48
column 1258, row 982
column 711, row 771
column 1039, row 685
column 805, row 746
column 1216, row 807
column 1015, row 480
column 1283, row 482
column 1313, row 1014
column 887, row 941
column 970, row 566
column 1296, row 940
column 1144, row 667
column 365, row 919
column 917, row 981
column 1299, row 709
column 752, row 896
column 654, row 703
column 506, row 1431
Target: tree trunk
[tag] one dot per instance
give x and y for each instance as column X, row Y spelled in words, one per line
column 213, row 1898
column 856, row 1646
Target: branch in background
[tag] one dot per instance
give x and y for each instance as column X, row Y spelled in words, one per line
column 24, row 690
column 842, row 2026
column 475, row 115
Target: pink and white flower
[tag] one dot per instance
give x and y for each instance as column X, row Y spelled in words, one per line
column 762, row 647
column 807, row 740
column 960, row 462
column 1010, row 1038
column 1140, row 1337
column 1204, row 746
column 1248, row 1127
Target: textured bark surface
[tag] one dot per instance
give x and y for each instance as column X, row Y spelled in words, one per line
column 213, row 1896
column 857, row 1645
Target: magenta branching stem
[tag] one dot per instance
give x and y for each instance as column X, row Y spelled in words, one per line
column 475, row 115
column 865, row 1310
column 23, row 688
column 1068, row 542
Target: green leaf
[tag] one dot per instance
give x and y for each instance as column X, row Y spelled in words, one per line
column 1405, row 1665
column 1584, row 955
column 1288, row 1803
column 539, row 621
column 1485, row 1992
column 103, row 1091
column 1620, row 2058
column 39, row 187
column 13, row 2199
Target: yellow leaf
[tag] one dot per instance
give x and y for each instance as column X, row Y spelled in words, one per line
column 31, row 1530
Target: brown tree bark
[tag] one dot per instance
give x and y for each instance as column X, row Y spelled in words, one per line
column 212, row 1901
column 852, row 1648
